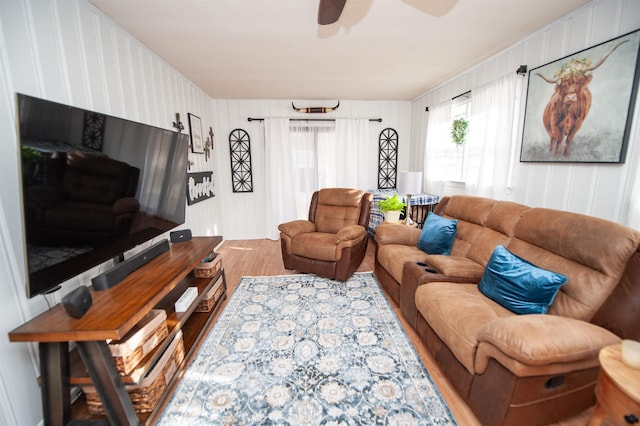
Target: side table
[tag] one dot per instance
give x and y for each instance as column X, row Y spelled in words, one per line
column 618, row 390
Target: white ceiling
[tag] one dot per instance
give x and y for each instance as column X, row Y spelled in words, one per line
column 378, row 50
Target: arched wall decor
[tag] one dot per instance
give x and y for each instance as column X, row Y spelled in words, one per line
column 240, row 153
column 93, row 131
column 387, row 159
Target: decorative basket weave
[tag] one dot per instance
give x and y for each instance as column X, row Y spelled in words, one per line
column 208, row 269
column 146, row 394
column 140, row 341
column 211, row 297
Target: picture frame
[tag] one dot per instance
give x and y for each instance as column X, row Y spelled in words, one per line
column 195, row 129
column 579, row 108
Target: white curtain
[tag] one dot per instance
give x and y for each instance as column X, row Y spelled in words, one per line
column 280, row 200
column 437, row 148
column 304, row 156
column 633, row 157
column 354, row 160
column 306, row 137
column 491, row 141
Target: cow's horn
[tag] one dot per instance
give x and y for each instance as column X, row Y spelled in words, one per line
column 601, row 61
column 298, row 109
column 333, row 108
column 311, row 110
column 548, row 80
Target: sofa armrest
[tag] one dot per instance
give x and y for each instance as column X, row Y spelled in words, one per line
column 296, row 227
column 397, row 234
column 541, row 344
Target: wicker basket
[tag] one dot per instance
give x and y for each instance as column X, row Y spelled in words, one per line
column 146, row 394
column 212, row 297
column 140, row 341
column 208, row 269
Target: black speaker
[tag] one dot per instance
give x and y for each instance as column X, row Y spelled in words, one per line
column 180, row 236
column 77, row 302
column 120, row 271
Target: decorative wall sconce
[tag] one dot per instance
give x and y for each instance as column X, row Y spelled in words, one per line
column 207, row 149
column 178, row 124
column 314, row 110
column 208, row 145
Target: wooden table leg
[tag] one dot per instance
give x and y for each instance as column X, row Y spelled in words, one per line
column 598, row 415
column 54, row 376
column 105, row 377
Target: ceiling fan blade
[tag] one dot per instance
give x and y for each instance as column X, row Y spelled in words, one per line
column 329, row 11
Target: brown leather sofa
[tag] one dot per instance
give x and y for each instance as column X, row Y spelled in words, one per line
column 333, row 242
column 83, row 199
column 531, row 369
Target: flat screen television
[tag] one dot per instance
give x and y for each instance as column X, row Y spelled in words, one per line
column 93, row 186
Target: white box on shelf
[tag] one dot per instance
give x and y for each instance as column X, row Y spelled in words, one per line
column 189, row 295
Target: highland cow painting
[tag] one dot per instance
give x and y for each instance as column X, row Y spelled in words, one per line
column 579, row 108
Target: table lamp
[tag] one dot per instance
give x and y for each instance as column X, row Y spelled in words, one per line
column 409, row 183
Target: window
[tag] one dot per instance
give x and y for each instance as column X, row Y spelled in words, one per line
column 455, row 154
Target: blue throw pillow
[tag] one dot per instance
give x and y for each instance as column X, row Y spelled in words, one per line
column 518, row 285
column 437, row 234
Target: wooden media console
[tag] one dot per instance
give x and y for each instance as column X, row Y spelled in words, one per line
column 113, row 313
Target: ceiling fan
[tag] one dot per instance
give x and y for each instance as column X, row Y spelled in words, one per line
column 329, row 11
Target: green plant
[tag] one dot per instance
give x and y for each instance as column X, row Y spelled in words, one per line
column 391, row 204
column 459, row 130
column 29, row 154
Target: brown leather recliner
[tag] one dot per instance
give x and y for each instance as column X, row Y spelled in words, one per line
column 333, row 242
column 85, row 199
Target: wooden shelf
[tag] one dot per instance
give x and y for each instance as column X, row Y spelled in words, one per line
column 114, row 312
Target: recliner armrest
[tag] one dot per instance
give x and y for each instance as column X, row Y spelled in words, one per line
column 296, row 227
column 125, row 205
column 530, row 345
column 397, row 234
column 351, row 232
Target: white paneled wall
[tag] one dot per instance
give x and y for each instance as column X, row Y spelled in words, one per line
column 69, row 52
column 598, row 190
column 243, row 213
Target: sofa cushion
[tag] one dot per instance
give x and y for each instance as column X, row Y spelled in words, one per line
column 392, row 257
column 471, row 213
column 518, row 285
column 457, row 313
column 315, row 245
column 337, row 208
column 437, row 234
column 499, row 227
column 530, row 345
column 591, row 252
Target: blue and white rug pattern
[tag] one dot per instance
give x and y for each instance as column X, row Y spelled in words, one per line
column 303, row 350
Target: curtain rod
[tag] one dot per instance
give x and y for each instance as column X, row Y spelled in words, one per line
column 522, row 70
column 379, row 120
column 461, row 95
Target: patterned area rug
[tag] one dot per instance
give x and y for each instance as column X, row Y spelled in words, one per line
column 303, row 350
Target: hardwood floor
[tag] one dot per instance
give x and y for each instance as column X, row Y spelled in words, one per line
column 263, row 258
